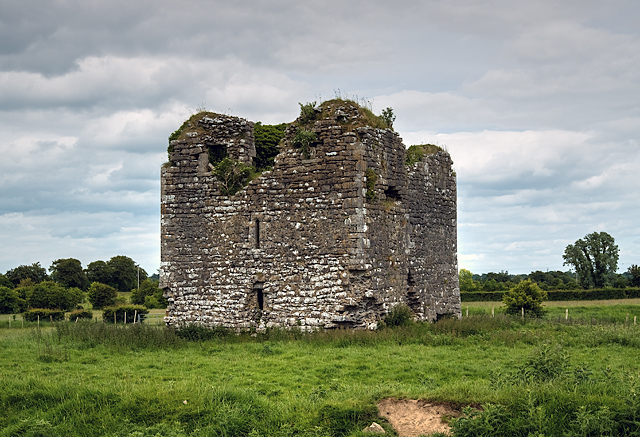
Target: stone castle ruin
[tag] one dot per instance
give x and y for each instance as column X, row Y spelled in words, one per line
column 343, row 228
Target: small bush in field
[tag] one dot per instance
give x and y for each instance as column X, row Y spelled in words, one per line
column 526, row 295
column 80, row 314
column 131, row 312
column 44, row 314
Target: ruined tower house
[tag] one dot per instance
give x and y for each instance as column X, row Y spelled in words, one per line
column 340, row 231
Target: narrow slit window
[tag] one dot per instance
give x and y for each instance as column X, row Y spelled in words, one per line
column 258, row 288
column 257, row 234
column 260, row 300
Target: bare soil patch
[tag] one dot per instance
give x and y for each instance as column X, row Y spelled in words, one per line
column 412, row 418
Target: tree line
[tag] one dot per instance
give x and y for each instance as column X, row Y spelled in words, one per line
column 68, row 284
column 594, row 259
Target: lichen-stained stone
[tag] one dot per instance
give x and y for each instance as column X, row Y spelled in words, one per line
column 314, row 243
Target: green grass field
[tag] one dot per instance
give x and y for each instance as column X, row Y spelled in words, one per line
column 532, row 377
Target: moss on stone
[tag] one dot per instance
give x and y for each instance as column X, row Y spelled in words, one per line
column 417, row 152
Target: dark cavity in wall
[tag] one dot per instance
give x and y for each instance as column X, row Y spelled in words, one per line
column 257, row 234
column 392, row 193
column 258, row 289
column 217, row 153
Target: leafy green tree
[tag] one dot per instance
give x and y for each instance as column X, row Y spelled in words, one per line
column 124, row 273
column 525, row 295
column 267, row 137
column 149, row 295
column 595, row 258
column 5, row 282
column 465, row 278
column 634, row 271
column 102, row 295
column 35, row 272
column 98, row 271
column 50, row 295
column 68, row 272
column 619, row 281
column 499, row 277
column 493, row 285
column 10, row 301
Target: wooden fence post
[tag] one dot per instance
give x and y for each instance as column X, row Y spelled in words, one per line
column 522, row 309
column 566, row 314
column 135, row 315
column 493, row 312
column 38, row 320
column 467, row 311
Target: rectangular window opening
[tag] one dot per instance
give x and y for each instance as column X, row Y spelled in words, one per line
column 260, row 300
column 257, row 236
column 258, row 289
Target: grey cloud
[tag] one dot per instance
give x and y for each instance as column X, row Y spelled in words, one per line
column 537, row 103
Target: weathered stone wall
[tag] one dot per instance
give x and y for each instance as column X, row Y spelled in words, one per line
column 302, row 245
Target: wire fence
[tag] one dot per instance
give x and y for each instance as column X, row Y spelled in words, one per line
column 16, row 321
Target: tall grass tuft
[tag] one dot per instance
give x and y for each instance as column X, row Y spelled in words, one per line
column 124, row 337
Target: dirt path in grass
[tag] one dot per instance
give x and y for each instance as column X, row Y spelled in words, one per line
column 412, row 418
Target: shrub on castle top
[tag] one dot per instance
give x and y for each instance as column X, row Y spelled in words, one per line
column 233, row 175
column 303, row 140
column 267, row 137
column 388, row 117
column 307, row 112
column 417, row 152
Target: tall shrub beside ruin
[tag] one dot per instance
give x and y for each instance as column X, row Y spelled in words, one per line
column 526, row 295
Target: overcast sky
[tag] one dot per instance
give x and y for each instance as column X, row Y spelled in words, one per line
column 537, row 102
